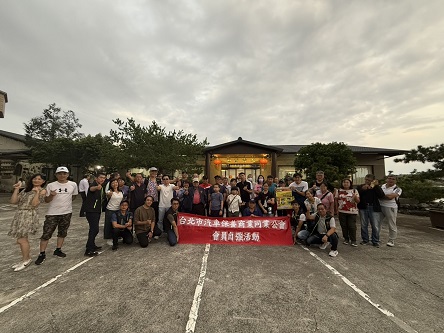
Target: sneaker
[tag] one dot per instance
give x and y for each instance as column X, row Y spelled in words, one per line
column 91, row 253
column 156, row 237
column 323, row 246
column 97, row 248
column 391, row 243
column 346, row 242
column 23, row 265
column 376, row 245
column 40, row 259
column 354, row 244
column 114, row 248
column 333, row 253
column 59, row 253
column 109, row 242
column 364, row 243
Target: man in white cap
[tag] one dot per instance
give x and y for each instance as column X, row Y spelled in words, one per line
column 59, row 195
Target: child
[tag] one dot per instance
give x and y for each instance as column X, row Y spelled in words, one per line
column 216, row 202
column 234, row 202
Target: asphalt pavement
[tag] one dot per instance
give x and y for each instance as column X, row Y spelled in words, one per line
column 225, row 288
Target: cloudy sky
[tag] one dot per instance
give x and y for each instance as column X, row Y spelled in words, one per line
column 367, row 73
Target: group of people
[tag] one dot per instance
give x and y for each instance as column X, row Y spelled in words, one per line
column 149, row 206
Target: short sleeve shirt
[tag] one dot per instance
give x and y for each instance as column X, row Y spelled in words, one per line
column 61, row 204
column 390, row 190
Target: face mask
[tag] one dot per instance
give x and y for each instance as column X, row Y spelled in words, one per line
column 261, row 180
column 250, row 179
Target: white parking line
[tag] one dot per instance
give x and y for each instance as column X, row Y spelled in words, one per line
column 47, row 283
column 390, row 315
column 192, row 318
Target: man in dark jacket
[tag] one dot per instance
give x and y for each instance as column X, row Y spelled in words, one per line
column 370, row 209
column 199, row 198
column 93, row 208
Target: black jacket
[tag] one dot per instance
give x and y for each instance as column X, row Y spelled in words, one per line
column 95, row 199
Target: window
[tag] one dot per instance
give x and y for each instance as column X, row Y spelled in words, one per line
column 361, row 172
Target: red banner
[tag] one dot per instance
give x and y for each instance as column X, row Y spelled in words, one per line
column 195, row 229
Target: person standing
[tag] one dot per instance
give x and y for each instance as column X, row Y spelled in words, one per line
column 59, row 195
column 266, row 201
column 326, row 198
column 298, row 188
column 114, row 197
column 369, row 209
column 198, row 197
column 347, row 199
column 216, row 202
column 83, row 191
column 245, row 188
column 26, row 218
column 93, row 208
column 166, row 192
column 234, row 203
column 389, row 206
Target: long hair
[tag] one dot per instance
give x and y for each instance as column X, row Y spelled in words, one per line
column 30, row 186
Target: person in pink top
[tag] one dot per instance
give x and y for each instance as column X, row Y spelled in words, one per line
column 326, row 198
column 346, row 200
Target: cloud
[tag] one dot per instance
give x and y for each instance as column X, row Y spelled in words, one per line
column 291, row 72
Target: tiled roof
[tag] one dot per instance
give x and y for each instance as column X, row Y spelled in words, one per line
column 288, row 149
column 13, row 136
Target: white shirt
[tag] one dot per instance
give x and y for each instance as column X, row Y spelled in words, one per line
column 234, row 203
column 166, row 194
column 84, row 186
column 114, row 201
column 390, row 190
column 301, row 187
column 61, row 203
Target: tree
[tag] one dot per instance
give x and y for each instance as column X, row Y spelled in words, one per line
column 51, row 136
column 433, row 154
column 423, row 185
column 154, row 146
column 335, row 159
column 53, row 124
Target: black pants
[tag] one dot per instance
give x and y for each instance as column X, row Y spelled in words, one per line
column 93, row 221
column 198, row 209
column 82, row 209
column 317, row 239
column 142, row 237
column 124, row 233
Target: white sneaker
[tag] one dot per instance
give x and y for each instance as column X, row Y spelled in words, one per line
column 109, row 242
column 391, row 243
column 323, row 246
column 333, row 253
column 156, row 237
column 22, row 265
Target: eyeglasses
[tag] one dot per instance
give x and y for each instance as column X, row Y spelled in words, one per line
column 165, row 179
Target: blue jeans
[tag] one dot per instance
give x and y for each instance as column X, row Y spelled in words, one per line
column 367, row 216
column 303, row 234
column 172, row 239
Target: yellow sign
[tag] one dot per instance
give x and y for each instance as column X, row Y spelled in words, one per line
column 283, row 199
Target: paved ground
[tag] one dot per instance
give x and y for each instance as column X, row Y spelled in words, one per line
column 244, row 288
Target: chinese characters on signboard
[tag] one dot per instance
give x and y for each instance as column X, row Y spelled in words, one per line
column 239, row 230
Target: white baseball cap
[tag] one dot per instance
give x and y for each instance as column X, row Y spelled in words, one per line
column 62, row 169
column 152, row 169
